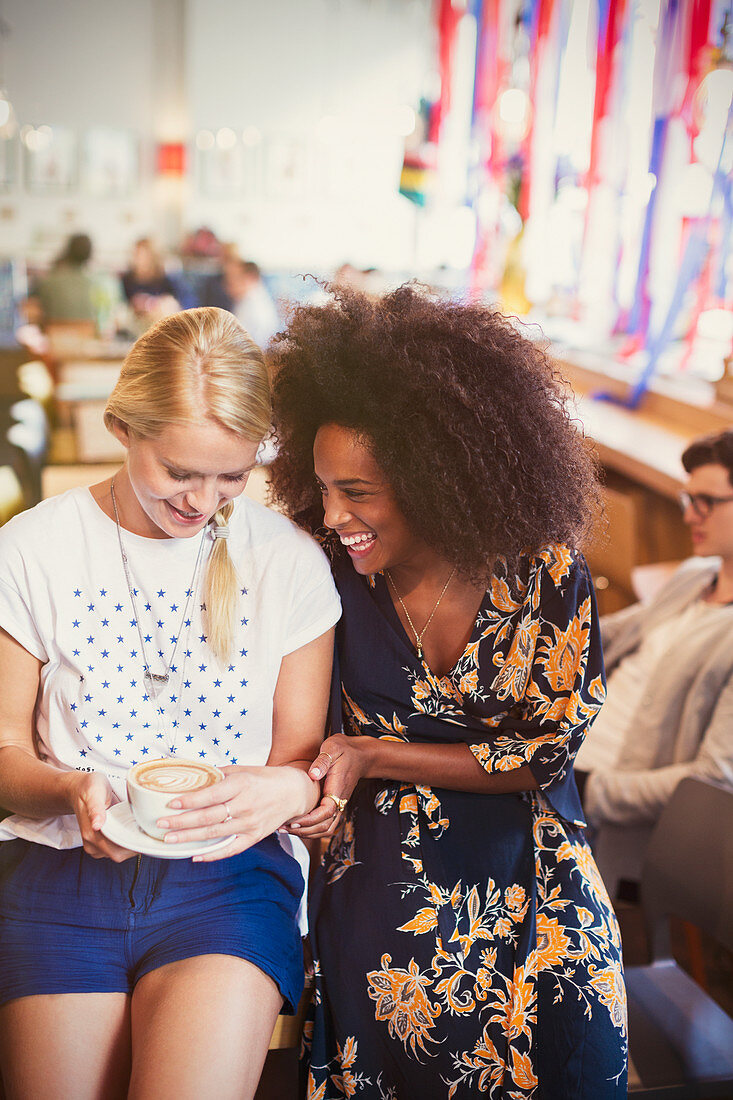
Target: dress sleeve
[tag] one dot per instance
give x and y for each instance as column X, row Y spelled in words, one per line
column 556, row 654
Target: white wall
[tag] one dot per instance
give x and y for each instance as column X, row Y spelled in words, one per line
column 78, row 63
column 324, row 77
column 323, row 80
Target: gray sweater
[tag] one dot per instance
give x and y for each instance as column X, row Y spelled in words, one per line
column 692, row 732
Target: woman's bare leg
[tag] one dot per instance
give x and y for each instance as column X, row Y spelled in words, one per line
column 201, row 1027
column 66, row 1046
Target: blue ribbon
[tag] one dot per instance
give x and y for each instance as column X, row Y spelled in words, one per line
column 696, row 250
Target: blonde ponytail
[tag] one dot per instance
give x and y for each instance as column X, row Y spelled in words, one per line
column 221, row 590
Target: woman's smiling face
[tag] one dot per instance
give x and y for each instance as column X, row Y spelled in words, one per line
column 172, row 485
column 359, row 504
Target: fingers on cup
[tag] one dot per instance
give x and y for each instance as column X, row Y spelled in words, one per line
column 198, row 818
column 207, row 825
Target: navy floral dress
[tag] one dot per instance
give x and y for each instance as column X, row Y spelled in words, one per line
column 464, row 944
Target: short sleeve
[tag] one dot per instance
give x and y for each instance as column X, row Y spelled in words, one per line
column 558, row 644
column 315, row 605
column 17, row 617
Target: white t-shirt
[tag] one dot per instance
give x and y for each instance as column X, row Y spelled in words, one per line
column 64, row 597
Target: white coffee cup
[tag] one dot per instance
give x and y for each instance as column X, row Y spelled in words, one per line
column 153, row 784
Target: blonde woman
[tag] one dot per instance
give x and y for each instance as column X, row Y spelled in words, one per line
column 157, row 614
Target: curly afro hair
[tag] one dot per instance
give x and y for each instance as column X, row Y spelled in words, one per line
column 464, row 415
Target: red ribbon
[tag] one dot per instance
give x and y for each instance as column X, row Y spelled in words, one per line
column 608, row 38
column 448, row 19
column 542, row 19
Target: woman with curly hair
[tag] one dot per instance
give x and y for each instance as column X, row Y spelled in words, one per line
column 464, row 942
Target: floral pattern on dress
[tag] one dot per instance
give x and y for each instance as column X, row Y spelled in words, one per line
column 478, row 924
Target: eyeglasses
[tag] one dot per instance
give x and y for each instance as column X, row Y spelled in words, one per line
column 702, row 504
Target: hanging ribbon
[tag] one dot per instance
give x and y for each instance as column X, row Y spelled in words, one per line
column 448, row 18
column 492, row 68
column 611, row 16
column 702, row 293
column 668, row 63
column 693, row 260
column 491, row 72
column 726, row 245
column 698, row 46
column 613, row 28
column 623, row 85
column 540, row 15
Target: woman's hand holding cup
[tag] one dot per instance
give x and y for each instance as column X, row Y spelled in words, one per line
column 90, row 797
column 248, row 804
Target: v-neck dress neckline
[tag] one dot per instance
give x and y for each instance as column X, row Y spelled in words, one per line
column 387, row 606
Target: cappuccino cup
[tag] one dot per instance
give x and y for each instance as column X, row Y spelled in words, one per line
column 153, row 784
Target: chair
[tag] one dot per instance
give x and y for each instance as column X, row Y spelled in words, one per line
column 24, row 442
column 82, row 389
column 647, row 580
column 619, row 853
column 12, row 500
column 34, row 380
column 680, row 1040
column 29, row 433
column 289, row 1029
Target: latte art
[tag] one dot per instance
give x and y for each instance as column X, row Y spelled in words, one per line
column 153, row 784
column 172, row 777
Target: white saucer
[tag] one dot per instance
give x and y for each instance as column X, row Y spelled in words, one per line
column 121, row 828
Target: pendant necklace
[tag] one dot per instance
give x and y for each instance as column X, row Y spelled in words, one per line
column 419, row 637
column 155, row 680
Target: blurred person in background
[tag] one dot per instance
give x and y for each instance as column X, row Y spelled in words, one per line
column 150, row 292
column 669, row 662
column 368, row 280
column 212, row 287
column 67, row 292
column 252, row 304
column 348, row 277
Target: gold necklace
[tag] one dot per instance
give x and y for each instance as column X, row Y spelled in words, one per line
column 419, row 637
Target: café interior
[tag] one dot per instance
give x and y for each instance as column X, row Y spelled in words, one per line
column 569, row 163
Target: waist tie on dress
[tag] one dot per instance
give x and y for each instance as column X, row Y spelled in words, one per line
column 422, row 824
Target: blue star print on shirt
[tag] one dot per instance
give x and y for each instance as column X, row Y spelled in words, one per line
column 132, row 701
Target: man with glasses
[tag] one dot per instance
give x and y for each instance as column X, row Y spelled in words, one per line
column 669, row 664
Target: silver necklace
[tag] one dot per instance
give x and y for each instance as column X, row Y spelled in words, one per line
column 154, row 680
column 419, row 637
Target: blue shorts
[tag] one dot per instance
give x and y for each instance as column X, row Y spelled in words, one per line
column 73, row 924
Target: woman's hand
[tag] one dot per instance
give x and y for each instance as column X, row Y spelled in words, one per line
column 90, row 797
column 341, row 763
column 249, row 804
